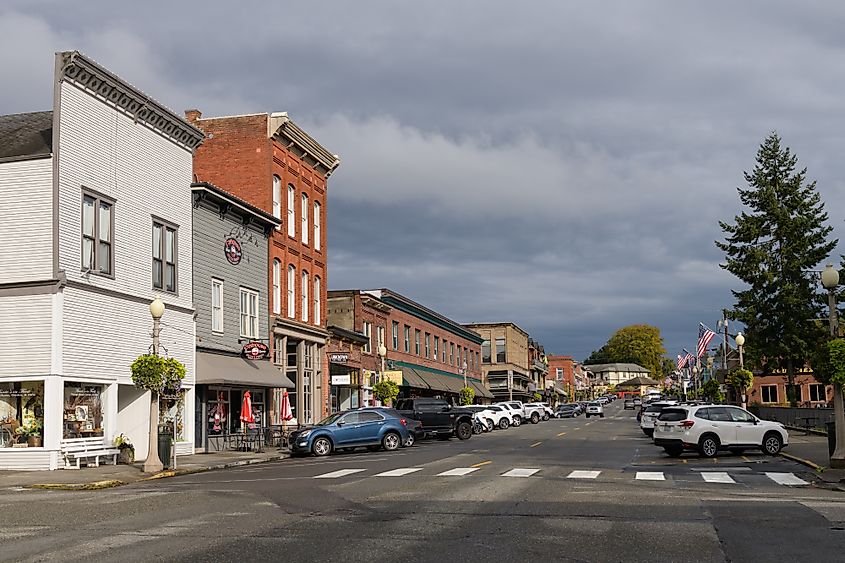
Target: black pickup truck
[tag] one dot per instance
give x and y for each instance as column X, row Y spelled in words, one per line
column 438, row 417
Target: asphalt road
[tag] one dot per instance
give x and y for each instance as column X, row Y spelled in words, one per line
column 563, row 490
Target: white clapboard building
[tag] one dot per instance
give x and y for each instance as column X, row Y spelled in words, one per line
column 95, row 219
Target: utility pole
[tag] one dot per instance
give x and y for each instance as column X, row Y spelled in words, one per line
column 725, row 345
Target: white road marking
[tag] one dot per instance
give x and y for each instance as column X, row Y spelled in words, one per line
column 717, row 477
column 520, row 472
column 339, row 473
column 583, row 475
column 650, row 476
column 786, row 479
column 399, row 472
column 458, row 471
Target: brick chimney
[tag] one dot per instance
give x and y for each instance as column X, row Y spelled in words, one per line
column 192, row 115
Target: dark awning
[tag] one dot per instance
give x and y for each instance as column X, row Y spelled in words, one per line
column 412, row 378
column 221, row 369
column 480, row 390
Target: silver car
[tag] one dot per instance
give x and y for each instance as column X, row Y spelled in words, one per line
column 595, row 408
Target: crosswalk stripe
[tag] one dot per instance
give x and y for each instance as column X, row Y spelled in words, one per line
column 457, row 472
column 399, row 472
column 786, row 479
column 583, row 475
column 650, row 476
column 717, row 477
column 338, row 473
column 520, row 472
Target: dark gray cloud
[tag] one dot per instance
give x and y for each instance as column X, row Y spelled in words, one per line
column 562, row 167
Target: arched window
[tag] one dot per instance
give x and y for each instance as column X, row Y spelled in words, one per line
column 291, row 212
column 317, row 220
column 277, row 286
column 277, row 198
column 304, row 219
column 304, row 295
column 291, row 291
column 317, row 295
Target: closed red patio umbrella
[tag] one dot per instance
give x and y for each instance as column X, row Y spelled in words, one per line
column 246, row 409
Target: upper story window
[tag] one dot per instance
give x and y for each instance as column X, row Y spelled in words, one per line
column 485, row 352
column 436, row 347
column 216, row 305
column 407, row 339
column 97, row 234
column 317, row 225
column 304, row 295
column 460, row 363
column 164, row 256
column 559, row 373
column 500, row 350
column 291, row 212
column 395, row 335
column 368, row 332
column 451, row 353
column 427, row 345
column 304, row 219
column 249, row 313
column 317, row 294
column 445, row 347
column 417, row 342
column 277, row 286
column 277, row 199
column 291, row 291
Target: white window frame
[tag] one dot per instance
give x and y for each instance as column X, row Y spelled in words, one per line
column 277, row 200
column 217, row 308
column 277, row 286
column 304, row 218
column 317, row 296
column 291, row 291
column 304, row 295
column 368, row 332
column 317, row 225
column 291, row 211
column 249, row 316
column 768, row 390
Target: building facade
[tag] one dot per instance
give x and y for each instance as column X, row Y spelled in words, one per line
column 348, row 380
column 772, row 389
column 96, row 196
column 271, row 163
column 608, row 375
column 504, row 360
column 538, row 371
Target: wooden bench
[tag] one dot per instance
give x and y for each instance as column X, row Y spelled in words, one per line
column 78, row 449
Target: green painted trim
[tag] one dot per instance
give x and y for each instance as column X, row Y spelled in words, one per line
column 419, row 313
column 435, row 371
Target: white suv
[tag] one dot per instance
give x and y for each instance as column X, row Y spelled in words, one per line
column 651, row 413
column 514, row 408
column 710, row 428
column 595, row 408
column 545, row 410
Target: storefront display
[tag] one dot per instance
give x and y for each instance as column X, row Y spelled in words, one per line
column 21, row 414
column 172, row 407
column 83, row 410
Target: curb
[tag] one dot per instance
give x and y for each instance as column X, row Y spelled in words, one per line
column 98, row 485
column 803, row 461
column 805, row 430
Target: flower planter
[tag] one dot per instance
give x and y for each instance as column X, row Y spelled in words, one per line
column 126, row 456
column 34, row 441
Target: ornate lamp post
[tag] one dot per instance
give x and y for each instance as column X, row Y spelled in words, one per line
column 740, row 343
column 153, row 464
column 830, row 281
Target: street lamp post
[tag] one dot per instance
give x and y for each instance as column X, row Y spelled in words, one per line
column 740, row 342
column 830, row 280
column 382, row 352
column 153, row 464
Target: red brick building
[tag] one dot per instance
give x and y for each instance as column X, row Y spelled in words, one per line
column 271, row 163
column 561, row 371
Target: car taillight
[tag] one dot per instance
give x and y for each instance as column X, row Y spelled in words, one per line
column 687, row 424
column 404, row 422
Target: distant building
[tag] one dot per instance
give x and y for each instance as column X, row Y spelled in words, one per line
column 504, row 360
column 614, row 374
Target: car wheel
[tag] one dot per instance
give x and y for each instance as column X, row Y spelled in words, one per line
column 463, row 431
column 489, row 426
column 504, row 423
column 411, row 440
column 517, row 420
column 391, row 441
column 772, row 443
column 535, row 418
column 321, row 447
column 674, row 451
column 546, row 417
column 708, row 446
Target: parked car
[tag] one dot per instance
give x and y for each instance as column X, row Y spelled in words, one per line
column 521, row 412
column 595, row 408
column 650, row 414
column 579, row 409
column 603, row 400
column 438, row 417
column 566, row 411
column 482, row 418
column 532, row 411
column 415, row 432
column 373, row 427
column 628, row 404
column 544, row 410
column 711, row 428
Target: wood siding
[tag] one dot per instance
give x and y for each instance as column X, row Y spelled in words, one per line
column 25, row 334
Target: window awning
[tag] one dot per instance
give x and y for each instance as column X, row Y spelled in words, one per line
column 424, row 379
column 222, row 369
column 412, row 378
column 481, row 390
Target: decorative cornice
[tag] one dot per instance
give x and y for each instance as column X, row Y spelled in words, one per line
column 78, row 69
column 284, row 130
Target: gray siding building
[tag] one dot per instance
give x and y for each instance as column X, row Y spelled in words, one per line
column 230, row 266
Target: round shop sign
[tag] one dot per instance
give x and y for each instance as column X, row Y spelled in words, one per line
column 256, row 351
column 232, row 248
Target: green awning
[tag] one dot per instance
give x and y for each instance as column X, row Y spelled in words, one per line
column 481, row 390
column 412, row 378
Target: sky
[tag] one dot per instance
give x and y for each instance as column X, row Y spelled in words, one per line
column 559, row 165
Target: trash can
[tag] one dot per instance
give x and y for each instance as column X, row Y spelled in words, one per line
column 165, row 443
column 831, row 437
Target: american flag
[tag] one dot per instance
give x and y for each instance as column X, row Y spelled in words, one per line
column 705, row 335
column 685, row 361
column 682, row 361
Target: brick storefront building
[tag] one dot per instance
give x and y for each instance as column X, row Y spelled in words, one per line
column 271, row 163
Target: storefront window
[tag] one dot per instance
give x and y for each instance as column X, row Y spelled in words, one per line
column 21, row 413
column 218, row 412
column 83, row 410
column 172, row 407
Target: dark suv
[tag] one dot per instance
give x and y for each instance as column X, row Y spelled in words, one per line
column 438, row 417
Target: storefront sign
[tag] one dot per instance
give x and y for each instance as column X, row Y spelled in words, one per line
column 232, row 249
column 255, row 351
column 339, row 358
column 341, row 379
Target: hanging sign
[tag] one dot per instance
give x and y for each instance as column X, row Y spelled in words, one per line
column 255, row 351
column 341, row 379
column 232, row 249
column 339, row 358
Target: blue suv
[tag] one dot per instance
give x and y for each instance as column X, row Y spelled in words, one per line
column 373, row 427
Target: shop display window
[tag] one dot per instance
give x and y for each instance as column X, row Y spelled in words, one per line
column 172, row 407
column 21, row 414
column 83, row 410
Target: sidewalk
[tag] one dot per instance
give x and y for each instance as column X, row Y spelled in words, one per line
column 107, row 476
column 812, row 451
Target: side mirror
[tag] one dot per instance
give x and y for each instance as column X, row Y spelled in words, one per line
column 341, row 423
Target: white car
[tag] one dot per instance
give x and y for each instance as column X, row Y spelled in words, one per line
column 603, row 400
column 545, row 410
column 595, row 408
column 651, row 413
column 493, row 416
column 710, row 428
column 514, row 409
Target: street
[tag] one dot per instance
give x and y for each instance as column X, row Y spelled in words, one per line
column 563, row 490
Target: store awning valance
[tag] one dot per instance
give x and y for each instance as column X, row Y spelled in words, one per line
column 424, row 379
column 221, row 369
column 481, row 390
column 412, row 378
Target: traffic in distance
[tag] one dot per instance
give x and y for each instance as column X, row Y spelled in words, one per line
column 388, row 429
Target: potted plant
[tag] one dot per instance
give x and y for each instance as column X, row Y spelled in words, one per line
column 31, row 433
column 127, row 450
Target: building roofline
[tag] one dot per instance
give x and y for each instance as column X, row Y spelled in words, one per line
column 264, row 218
column 506, row 323
column 286, row 131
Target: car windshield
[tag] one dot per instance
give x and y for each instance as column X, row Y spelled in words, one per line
column 672, row 415
column 331, row 419
column 593, row 404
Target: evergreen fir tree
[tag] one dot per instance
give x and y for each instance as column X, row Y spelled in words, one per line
column 773, row 247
